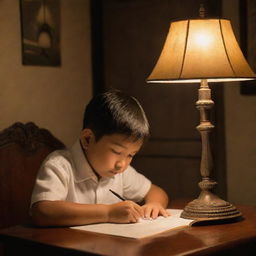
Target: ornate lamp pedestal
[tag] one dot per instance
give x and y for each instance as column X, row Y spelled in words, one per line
column 207, row 206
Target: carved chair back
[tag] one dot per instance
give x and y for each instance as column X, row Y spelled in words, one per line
column 23, row 147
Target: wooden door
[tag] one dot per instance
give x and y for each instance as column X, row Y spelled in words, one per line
column 128, row 36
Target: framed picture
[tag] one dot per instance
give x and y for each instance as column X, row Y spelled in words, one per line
column 40, row 28
column 248, row 41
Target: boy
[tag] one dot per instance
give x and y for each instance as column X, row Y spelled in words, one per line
column 73, row 186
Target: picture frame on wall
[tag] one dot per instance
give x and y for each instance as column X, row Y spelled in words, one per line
column 248, row 41
column 40, row 32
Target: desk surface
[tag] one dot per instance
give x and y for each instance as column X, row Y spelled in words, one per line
column 237, row 238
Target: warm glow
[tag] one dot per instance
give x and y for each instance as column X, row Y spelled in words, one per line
column 203, row 39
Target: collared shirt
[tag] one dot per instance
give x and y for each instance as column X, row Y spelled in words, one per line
column 67, row 175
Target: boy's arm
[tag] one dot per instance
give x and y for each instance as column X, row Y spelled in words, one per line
column 156, row 202
column 65, row 213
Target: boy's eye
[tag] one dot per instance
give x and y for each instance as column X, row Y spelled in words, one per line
column 130, row 156
column 116, row 152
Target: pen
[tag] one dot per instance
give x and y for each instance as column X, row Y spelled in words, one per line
column 114, row 193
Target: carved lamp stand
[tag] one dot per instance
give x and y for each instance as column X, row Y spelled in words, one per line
column 201, row 51
column 208, row 205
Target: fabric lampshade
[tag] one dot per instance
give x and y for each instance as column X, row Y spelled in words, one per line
column 199, row 49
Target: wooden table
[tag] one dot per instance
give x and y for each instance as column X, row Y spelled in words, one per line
column 237, row 238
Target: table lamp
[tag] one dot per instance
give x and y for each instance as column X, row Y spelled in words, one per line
column 203, row 50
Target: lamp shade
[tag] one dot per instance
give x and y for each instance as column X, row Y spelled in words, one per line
column 199, row 49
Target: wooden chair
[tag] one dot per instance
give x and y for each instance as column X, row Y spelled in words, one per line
column 23, row 147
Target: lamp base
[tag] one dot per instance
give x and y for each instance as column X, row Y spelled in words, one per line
column 209, row 207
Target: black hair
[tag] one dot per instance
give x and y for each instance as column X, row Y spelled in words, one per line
column 116, row 112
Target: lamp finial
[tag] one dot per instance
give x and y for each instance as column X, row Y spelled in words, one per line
column 202, row 11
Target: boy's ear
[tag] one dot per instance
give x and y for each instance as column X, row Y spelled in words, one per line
column 86, row 136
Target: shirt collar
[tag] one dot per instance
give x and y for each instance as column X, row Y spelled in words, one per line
column 83, row 170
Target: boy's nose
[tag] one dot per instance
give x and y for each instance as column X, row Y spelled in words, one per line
column 119, row 165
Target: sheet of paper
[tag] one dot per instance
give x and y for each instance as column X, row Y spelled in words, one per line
column 141, row 229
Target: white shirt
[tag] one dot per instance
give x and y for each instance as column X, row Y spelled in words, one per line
column 67, row 175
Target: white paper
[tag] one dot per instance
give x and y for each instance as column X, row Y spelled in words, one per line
column 141, row 229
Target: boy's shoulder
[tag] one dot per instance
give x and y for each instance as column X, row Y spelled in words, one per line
column 58, row 157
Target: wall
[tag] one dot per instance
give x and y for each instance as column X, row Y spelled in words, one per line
column 240, row 116
column 52, row 97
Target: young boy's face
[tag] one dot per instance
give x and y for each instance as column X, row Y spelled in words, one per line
column 111, row 154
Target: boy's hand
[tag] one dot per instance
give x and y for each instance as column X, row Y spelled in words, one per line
column 124, row 212
column 153, row 210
